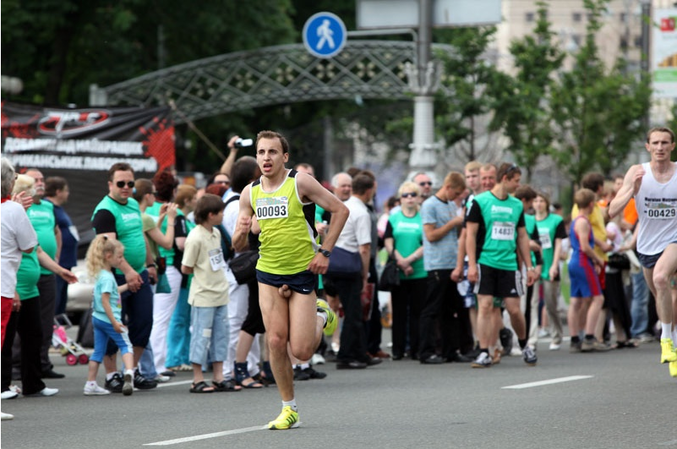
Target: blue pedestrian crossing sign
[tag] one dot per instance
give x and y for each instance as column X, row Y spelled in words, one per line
column 324, row 35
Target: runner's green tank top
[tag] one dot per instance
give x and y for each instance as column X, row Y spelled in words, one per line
column 287, row 228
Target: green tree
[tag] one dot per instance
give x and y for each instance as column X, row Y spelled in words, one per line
column 596, row 112
column 521, row 107
column 460, row 116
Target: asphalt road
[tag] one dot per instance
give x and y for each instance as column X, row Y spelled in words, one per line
column 620, row 399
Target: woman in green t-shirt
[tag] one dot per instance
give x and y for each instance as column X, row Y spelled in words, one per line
column 404, row 241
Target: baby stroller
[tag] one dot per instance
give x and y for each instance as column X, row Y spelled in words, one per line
column 73, row 352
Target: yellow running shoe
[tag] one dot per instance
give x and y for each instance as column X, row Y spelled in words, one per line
column 288, row 419
column 668, row 354
column 673, row 369
column 332, row 319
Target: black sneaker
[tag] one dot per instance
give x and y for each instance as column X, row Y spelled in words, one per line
column 142, row 383
column 314, row 374
column 300, row 374
column 505, row 335
column 114, row 385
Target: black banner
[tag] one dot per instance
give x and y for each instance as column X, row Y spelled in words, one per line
column 81, row 145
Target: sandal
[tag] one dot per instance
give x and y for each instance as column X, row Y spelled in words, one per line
column 253, row 384
column 226, row 385
column 201, row 387
column 625, row 344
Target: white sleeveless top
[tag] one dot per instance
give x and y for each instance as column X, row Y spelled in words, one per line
column 657, row 210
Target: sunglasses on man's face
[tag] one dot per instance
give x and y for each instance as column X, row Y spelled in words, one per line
column 425, row 183
column 121, row 184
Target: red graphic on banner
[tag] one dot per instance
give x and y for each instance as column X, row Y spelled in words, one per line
column 159, row 143
column 71, row 122
column 20, row 129
column 668, row 24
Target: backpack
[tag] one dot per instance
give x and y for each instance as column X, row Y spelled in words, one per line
column 226, row 241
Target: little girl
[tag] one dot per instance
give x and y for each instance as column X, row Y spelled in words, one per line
column 102, row 255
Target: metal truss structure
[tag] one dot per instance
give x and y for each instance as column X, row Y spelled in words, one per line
column 275, row 75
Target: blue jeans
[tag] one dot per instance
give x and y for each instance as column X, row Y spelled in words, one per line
column 147, row 364
column 137, row 308
column 104, row 331
column 639, row 309
column 178, row 335
column 210, row 334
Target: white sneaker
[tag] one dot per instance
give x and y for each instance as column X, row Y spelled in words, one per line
column 162, row 379
column 15, row 389
column 9, row 394
column 46, row 392
column 554, row 346
column 317, row 359
column 6, row 416
column 95, row 390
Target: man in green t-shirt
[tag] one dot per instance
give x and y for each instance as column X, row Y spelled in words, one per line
column 118, row 216
column 41, row 215
column 496, row 219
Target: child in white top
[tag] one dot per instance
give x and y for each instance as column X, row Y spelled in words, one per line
column 103, row 255
column 208, row 295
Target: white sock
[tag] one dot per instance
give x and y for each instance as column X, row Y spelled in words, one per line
column 291, row 404
column 322, row 314
column 91, row 383
column 666, row 330
column 304, row 365
column 674, row 337
column 109, row 376
column 130, row 372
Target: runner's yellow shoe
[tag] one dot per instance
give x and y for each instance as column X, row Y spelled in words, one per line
column 332, row 319
column 673, row 369
column 668, row 354
column 288, row 419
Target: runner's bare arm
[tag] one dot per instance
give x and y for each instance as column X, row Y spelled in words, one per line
column 244, row 221
column 631, row 184
column 313, row 191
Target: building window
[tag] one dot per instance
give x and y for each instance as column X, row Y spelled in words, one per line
column 530, row 17
column 576, row 39
column 638, row 41
column 577, row 16
column 624, row 43
column 624, row 17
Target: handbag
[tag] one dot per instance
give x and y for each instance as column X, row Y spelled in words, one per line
column 344, row 263
column 243, row 266
column 163, row 284
column 390, row 276
column 366, row 298
column 619, row 261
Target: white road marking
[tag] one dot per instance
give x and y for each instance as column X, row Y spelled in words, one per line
column 669, row 443
column 207, row 436
column 172, row 383
column 545, row 382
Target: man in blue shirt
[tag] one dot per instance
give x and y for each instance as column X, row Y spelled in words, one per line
column 441, row 222
column 57, row 192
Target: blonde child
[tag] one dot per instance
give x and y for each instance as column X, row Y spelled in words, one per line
column 103, row 255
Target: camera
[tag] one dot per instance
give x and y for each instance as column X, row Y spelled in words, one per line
column 244, row 143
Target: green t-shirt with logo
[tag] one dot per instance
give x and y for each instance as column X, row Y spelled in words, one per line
column 44, row 221
column 407, row 233
column 129, row 229
column 154, row 211
column 28, row 276
column 501, row 219
column 549, row 229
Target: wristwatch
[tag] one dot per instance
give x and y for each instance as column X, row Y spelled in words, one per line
column 324, row 252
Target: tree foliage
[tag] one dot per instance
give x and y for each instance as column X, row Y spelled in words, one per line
column 596, row 112
column 522, row 107
column 472, row 79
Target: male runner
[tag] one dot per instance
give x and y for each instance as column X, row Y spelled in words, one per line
column 282, row 202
